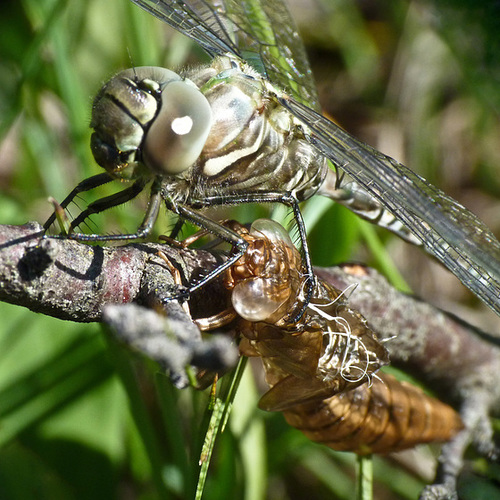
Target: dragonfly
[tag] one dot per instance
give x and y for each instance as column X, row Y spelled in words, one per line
column 251, row 124
column 323, row 369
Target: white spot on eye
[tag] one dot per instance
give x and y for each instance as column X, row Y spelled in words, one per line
column 182, row 125
column 178, row 134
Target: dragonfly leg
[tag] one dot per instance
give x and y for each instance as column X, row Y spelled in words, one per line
column 113, row 201
column 275, row 197
column 176, row 229
column 221, row 231
column 85, row 185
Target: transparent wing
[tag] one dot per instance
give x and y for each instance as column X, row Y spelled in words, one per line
column 261, row 32
column 196, row 19
column 449, row 231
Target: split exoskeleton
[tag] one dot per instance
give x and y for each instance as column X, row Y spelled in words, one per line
column 323, row 369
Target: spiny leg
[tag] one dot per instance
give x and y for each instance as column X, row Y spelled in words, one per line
column 106, row 203
column 115, row 200
column 85, row 185
column 270, row 197
column 176, row 229
column 217, row 229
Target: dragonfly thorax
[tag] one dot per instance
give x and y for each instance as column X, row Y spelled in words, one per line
column 254, row 144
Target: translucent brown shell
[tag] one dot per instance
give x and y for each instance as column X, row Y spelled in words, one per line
column 321, row 369
column 384, row 416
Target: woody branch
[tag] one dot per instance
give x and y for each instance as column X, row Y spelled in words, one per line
column 77, row 282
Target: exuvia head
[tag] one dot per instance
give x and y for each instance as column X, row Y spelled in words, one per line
column 258, row 297
column 149, row 121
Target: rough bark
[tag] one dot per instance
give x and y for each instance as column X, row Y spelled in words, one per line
column 72, row 281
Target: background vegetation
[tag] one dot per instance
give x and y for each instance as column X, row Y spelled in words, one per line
column 79, row 417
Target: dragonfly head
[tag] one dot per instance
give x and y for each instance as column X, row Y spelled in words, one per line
column 148, row 121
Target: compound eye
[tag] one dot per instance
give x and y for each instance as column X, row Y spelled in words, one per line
column 178, row 134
